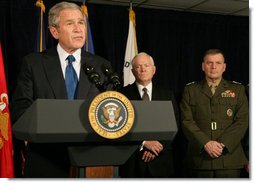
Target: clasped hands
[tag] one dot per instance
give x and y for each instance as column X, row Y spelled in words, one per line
column 214, row 148
column 151, row 150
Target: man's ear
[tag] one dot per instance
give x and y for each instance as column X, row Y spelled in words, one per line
column 203, row 66
column 225, row 66
column 154, row 71
column 54, row 32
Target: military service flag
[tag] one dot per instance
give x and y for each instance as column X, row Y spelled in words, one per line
column 6, row 158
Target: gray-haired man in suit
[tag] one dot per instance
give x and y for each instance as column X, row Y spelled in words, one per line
column 154, row 158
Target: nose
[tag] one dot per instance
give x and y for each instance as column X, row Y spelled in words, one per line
column 143, row 68
column 76, row 27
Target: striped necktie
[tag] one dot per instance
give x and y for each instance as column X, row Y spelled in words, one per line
column 145, row 95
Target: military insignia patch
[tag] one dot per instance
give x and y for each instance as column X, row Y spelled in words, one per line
column 228, row 93
column 229, row 112
column 111, row 114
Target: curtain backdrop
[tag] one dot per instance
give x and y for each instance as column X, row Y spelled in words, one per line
column 176, row 40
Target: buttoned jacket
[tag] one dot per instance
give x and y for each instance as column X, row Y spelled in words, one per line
column 162, row 165
column 222, row 117
column 41, row 77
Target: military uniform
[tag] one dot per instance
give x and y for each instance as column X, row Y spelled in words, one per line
column 222, row 117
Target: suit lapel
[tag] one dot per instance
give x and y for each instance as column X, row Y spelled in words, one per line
column 132, row 92
column 156, row 93
column 84, row 84
column 54, row 73
column 136, row 93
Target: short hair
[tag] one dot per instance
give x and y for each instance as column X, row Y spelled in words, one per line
column 142, row 53
column 54, row 12
column 213, row 52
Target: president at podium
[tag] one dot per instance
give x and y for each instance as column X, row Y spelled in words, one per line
column 56, row 73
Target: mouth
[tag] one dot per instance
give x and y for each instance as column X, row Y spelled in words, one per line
column 78, row 38
column 213, row 72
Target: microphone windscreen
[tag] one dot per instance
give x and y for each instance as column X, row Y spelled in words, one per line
column 106, row 69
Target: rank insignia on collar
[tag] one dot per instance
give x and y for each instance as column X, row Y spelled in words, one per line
column 228, row 93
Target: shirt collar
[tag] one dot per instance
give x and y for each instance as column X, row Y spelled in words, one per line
column 63, row 54
column 148, row 87
column 215, row 83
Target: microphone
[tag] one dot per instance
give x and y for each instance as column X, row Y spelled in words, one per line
column 112, row 76
column 93, row 76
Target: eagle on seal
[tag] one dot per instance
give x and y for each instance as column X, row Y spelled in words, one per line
column 111, row 112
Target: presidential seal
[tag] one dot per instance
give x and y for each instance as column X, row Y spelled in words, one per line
column 111, row 114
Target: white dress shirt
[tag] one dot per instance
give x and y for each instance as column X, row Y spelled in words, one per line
column 63, row 60
column 141, row 92
column 148, row 87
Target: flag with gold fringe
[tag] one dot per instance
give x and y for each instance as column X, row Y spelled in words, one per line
column 89, row 39
column 40, row 37
column 131, row 49
column 6, row 149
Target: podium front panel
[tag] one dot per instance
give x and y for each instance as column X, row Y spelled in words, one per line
column 47, row 121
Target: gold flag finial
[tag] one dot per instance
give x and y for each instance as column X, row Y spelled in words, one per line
column 132, row 16
column 39, row 3
column 84, row 9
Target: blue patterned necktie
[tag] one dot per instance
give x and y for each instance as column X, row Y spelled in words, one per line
column 71, row 79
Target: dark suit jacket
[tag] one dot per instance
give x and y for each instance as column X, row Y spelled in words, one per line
column 41, row 78
column 161, row 166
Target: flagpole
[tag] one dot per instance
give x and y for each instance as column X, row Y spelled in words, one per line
column 40, row 4
column 89, row 40
column 131, row 48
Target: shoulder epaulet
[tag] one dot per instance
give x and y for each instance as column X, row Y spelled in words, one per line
column 191, row 83
column 235, row 82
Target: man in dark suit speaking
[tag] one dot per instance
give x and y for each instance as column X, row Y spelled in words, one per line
column 57, row 73
column 154, row 158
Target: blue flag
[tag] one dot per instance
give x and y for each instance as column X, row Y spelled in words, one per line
column 89, row 40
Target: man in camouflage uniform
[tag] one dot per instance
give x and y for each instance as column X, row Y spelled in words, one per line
column 214, row 124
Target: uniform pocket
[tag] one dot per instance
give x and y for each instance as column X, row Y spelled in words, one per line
column 227, row 108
